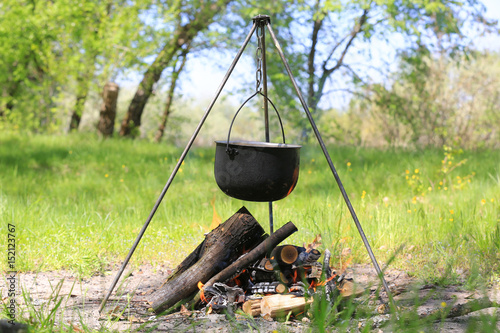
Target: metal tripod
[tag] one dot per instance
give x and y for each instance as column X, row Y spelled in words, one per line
column 259, row 22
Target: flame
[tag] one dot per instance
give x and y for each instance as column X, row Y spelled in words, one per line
column 216, row 220
column 316, row 283
column 314, row 244
column 346, row 264
column 202, row 295
column 237, row 279
column 295, row 178
column 294, row 280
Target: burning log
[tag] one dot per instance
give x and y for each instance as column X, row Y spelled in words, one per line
column 259, row 251
column 221, row 246
column 277, row 237
column 268, row 288
column 282, row 305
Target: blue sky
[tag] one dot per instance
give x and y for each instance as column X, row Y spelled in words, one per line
column 203, row 75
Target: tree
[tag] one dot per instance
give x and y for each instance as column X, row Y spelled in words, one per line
column 177, row 69
column 194, row 17
column 118, row 40
column 25, row 35
column 438, row 100
column 333, row 30
column 61, row 48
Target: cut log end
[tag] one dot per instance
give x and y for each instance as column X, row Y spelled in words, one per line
column 289, row 254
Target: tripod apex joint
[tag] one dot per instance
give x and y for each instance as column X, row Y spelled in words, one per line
column 262, row 19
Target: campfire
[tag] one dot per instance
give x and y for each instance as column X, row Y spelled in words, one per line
column 238, row 266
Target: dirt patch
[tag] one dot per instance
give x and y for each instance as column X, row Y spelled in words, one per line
column 127, row 309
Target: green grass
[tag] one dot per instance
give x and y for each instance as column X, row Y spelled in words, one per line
column 79, row 202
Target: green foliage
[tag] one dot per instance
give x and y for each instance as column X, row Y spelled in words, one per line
column 58, row 51
column 78, row 203
column 321, row 37
column 54, row 49
column 436, row 101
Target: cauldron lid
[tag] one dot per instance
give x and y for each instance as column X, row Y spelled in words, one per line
column 258, row 144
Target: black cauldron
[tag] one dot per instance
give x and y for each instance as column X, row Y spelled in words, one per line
column 256, row 171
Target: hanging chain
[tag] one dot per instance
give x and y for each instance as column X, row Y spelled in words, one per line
column 258, row 54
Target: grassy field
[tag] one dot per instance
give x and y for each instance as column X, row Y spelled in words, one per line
column 79, row 202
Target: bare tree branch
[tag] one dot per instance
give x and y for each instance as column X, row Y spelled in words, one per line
column 328, row 71
column 318, row 22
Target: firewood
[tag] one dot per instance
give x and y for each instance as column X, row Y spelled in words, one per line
column 277, row 237
column 221, row 247
column 260, row 250
column 348, row 288
column 268, row 288
column 284, row 256
column 289, row 254
column 282, row 305
column 268, row 265
column 252, row 307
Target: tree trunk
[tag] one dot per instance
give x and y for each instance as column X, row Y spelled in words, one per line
column 82, row 89
column 170, row 97
column 107, row 114
column 182, row 38
column 223, row 245
column 76, row 115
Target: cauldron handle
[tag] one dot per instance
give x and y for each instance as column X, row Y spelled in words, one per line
column 232, row 151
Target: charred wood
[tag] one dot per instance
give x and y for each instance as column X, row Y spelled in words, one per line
column 221, row 247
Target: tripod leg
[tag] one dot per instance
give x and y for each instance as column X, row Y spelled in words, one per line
column 174, row 172
column 330, row 163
